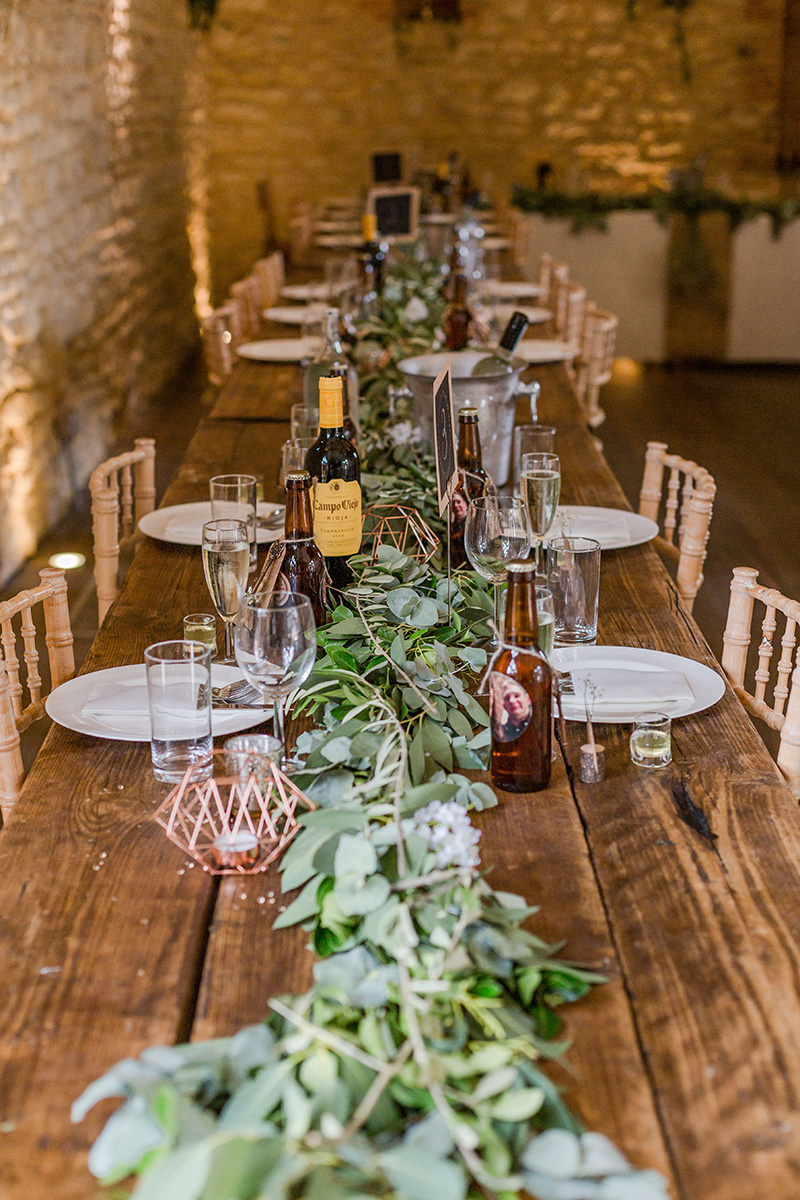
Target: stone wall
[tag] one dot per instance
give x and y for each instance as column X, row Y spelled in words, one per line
column 301, row 93
column 96, row 285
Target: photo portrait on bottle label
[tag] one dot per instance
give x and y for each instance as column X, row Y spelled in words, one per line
column 510, row 707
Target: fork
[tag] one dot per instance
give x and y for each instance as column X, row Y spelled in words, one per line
column 238, row 692
column 273, row 520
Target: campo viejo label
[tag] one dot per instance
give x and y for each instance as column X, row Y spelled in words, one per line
column 337, row 517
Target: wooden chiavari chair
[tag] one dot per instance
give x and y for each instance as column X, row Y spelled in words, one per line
column 689, row 500
column 271, row 276
column 551, row 272
column 592, row 367
column 246, row 298
column 221, row 335
column 123, row 489
column 568, row 306
column 777, row 714
column 15, row 717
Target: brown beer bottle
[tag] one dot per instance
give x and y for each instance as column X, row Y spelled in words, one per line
column 303, row 561
column 472, row 480
column 519, row 692
column 457, row 317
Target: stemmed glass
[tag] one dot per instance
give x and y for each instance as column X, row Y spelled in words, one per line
column 276, row 644
column 496, row 531
column 226, row 563
column 540, row 485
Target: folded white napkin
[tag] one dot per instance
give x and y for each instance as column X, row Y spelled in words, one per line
column 605, row 529
column 119, row 705
column 634, row 690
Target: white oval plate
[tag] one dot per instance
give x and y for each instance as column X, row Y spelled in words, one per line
column 603, row 524
column 309, row 291
column 191, row 518
column 707, row 685
column 512, row 289
column 536, row 316
column 337, row 241
column 279, row 349
column 496, row 243
column 537, row 350
column 294, row 314
column 65, row 704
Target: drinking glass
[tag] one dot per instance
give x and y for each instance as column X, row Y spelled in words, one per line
column 179, row 697
column 226, row 563
column 234, row 496
column 651, row 740
column 250, row 754
column 496, row 531
column 276, row 645
column 540, row 485
column 546, row 616
column 293, row 456
column 573, row 573
column 530, row 439
column 305, row 421
column 201, row 627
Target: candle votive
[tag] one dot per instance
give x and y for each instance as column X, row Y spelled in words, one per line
column 235, row 849
column 250, row 754
column 201, row 627
column 651, row 740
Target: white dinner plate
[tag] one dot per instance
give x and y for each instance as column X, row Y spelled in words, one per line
column 65, row 705
column 535, row 315
column 707, row 685
column 309, row 291
column 279, row 349
column 496, row 243
column 539, row 350
column 188, row 521
column 512, row 289
column 339, row 241
column 294, row 314
column 331, row 225
column 603, row 524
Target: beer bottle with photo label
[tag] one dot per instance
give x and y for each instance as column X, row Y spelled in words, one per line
column 335, row 468
column 520, row 692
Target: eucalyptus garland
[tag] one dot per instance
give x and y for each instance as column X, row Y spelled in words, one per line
column 412, row 1068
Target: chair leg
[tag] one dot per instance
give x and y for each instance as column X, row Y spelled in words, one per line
column 10, row 753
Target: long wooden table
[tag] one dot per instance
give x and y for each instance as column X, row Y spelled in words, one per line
column 689, row 1057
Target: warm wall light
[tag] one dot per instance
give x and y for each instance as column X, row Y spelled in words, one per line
column 627, row 369
column 67, row 561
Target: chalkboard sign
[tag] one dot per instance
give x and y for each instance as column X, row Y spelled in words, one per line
column 444, row 437
column 387, row 168
column 396, row 211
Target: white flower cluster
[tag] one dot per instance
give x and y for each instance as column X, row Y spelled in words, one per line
column 416, row 310
column 448, row 830
column 404, row 433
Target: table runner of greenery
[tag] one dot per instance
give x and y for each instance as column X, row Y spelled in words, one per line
column 411, row 1069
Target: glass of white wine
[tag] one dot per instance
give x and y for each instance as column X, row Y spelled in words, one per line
column 496, row 531
column 540, row 486
column 276, row 645
column 546, row 617
column 226, row 563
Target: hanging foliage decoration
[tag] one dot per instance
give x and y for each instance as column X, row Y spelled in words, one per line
column 201, row 13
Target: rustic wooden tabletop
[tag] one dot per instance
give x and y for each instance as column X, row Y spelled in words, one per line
column 689, row 1057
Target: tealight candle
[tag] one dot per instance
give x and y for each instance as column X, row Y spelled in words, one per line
column 235, row 849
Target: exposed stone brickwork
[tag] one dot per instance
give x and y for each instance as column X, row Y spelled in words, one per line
column 96, row 286
column 302, row 91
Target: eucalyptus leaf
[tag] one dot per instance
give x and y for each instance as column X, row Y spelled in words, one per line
column 127, row 1137
column 421, row 1175
column 181, row 1176
column 517, row 1105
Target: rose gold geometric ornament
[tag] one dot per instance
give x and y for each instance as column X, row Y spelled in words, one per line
column 233, row 824
column 398, row 526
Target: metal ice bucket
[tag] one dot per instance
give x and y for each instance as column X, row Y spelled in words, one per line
column 494, row 396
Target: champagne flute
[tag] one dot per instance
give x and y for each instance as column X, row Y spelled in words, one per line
column 540, row 485
column 276, row 645
column 226, row 563
column 496, row 531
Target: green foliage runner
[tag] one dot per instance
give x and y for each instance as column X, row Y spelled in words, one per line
column 412, row 1068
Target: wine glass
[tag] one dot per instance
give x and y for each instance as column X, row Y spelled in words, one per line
column 276, row 645
column 226, row 563
column 496, row 531
column 540, row 485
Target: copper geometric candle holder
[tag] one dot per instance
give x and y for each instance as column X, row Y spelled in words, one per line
column 395, row 525
column 232, row 826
